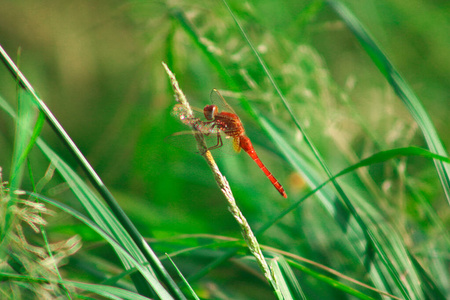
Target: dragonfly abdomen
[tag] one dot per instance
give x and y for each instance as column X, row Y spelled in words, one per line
column 246, row 144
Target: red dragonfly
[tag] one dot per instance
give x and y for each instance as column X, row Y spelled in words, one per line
column 226, row 123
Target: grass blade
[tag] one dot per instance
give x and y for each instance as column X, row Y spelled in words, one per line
column 430, row 288
column 401, row 88
column 94, row 178
column 194, row 295
column 24, row 140
column 22, row 145
column 283, row 292
column 289, row 286
column 376, row 158
column 106, row 291
column 328, row 280
column 158, row 288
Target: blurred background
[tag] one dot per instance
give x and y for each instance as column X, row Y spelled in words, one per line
column 97, row 65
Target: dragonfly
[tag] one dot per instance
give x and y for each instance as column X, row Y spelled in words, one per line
column 223, row 122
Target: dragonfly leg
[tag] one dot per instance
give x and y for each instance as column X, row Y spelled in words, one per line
column 219, row 138
column 219, row 142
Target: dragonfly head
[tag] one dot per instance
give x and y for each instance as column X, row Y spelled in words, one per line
column 210, row 111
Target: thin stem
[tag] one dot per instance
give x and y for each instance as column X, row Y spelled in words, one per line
column 163, row 275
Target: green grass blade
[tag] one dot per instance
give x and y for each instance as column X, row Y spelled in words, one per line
column 330, row 281
column 289, row 286
column 401, row 88
column 376, row 158
column 157, row 287
column 94, row 206
column 106, row 291
column 283, row 291
column 35, row 134
column 214, row 264
column 94, row 178
column 193, row 294
column 91, row 203
column 23, row 141
column 430, row 286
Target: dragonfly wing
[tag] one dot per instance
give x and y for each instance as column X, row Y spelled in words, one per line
column 217, row 99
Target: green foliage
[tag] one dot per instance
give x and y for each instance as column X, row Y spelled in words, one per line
column 347, row 105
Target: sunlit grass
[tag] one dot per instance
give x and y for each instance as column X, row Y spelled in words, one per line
column 366, row 217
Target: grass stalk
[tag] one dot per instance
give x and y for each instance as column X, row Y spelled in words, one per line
column 96, row 182
column 224, row 186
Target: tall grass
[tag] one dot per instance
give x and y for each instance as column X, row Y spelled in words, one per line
column 366, row 177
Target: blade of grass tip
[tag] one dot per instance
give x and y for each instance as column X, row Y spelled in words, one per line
column 214, row 264
column 369, row 235
column 289, row 285
column 183, row 278
column 114, row 280
column 401, row 88
column 157, row 287
column 94, row 178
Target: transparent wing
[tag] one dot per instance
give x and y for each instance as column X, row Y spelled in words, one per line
column 217, row 99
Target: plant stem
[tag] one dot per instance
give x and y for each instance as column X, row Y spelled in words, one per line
column 224, row 186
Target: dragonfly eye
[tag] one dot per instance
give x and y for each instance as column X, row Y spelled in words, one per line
column 210, row 112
